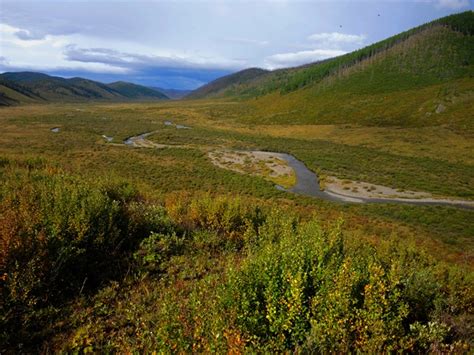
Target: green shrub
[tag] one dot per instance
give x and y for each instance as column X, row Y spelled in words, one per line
column 214, row 274
column 61, row 236
column 155, row 251
column 228, row 216
column 305, row 288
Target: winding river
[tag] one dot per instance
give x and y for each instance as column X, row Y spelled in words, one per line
column 307, row 183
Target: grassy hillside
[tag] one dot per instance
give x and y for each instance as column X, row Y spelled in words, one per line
column 28, row 87
column 432, row 53
column 226, row 83
column 14, row 92
column 138, row 92
column 9, row 96
column 423, row 77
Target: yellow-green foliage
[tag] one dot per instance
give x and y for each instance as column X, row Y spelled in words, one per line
column 112, row 248
column 308, row 288
column 61, row 236
column 92, row 266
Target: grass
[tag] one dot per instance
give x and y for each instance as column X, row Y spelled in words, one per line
column 106, row 247
column 80, row 149
column 356, row 162
column 179, row 287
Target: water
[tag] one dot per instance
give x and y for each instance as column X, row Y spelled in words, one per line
column 307, row 183
column 178, row 126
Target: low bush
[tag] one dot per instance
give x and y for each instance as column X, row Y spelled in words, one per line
column 92, row 266
column 306, row 288
column 60, row 237
column 229, row 217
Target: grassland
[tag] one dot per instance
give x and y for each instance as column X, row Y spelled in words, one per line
column 80, row 148
column 175, row 222
column 108, row 247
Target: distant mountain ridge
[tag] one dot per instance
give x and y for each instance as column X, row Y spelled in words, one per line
column 30, row 87
column 135, row 91
column 174, row 94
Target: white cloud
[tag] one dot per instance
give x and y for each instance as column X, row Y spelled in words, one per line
column 283, row 60
column 21, row 38
column 453, row 4
column 48, row 52
column 76, row 51
column 337, row 38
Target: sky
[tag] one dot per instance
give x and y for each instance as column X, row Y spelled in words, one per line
column 185, row 44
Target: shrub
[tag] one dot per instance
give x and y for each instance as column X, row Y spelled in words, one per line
column 305, row 288
column 228, row 216
column 155, row 251
column 61, row 236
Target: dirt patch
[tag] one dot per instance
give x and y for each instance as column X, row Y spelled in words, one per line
column 364, row 190
column 368, row 190
column 141, row 142
column 266, row 164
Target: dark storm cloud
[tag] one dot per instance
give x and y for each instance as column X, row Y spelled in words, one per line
column 141, row 61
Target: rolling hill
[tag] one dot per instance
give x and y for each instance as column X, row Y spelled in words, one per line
column 422, row 76
column 225, row 84
column 135, row 91
column 431, row 53
column 30, row 87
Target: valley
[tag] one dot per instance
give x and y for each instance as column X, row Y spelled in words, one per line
column 172, row 159
column 322, row 208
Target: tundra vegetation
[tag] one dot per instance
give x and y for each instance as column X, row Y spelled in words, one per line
column 106, row 247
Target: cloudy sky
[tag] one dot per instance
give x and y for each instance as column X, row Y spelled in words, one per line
column 184, row 44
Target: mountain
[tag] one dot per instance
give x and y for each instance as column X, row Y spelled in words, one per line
column 135, row 91
column 225, row 84
column 421, row 76
column 174, row 94
column 415, row 54
column 31, row 87
column 12, row 93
